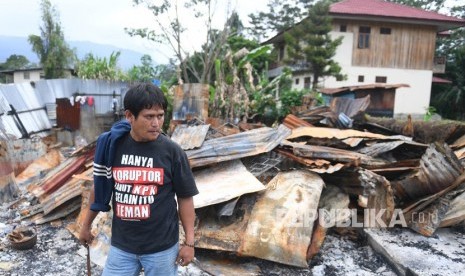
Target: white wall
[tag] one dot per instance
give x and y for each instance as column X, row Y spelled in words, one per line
column 33, row 76
column 409, row 100
column 413, row 100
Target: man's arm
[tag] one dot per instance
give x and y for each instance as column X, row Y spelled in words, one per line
column 85, row 235
column 187, row 216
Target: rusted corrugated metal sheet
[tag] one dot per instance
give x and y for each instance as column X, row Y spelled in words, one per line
column 459, row 143
column 456, row 212
column 318, row 165
column 60, row 212
column 333, row 154
column 460, row 153
column 190, row 137
column 349, row 107
column 382, row 147
column 425, row 215
column 292, row 121
column 24, row 151
column 280, row 226
column 224, row 232
column 333, row 199
column 439, row 167
column 41, row 165
column 223, row 182
column 71, row 189
column 57, row 178
column 238, row 145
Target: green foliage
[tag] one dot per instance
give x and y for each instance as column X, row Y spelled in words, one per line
column 450, row 100
column 310, row 46
column 281, row 15
column 143, row 73
column 290, row 98
column 198, row 67
column 54, row 53
column 430, row 111
column 92, row 67
column 15, row 62
column 266, row 101
column 236, row 82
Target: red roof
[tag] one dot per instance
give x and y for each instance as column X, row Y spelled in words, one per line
column 385, row 9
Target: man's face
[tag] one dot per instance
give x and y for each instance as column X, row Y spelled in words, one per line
column 148, row 125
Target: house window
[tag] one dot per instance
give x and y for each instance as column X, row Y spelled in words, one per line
column 26, row 75
column 297, row 80
column 361, row 78
column 364, row 37
column 379, row 79
column 385, row 31
column 343, row 28
column 307, row 82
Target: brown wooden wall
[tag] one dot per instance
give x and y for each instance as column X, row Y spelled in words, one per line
column 407, row 47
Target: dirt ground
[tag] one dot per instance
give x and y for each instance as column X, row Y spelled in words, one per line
column 58, row 252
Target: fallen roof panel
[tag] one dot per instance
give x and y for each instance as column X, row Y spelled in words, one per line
column 238, row 145
column 223, row 182
column 190, row 137
column 280, row 226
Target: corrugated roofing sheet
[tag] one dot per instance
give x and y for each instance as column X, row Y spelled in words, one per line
column 239, row 145
column 281, row 224
column 223, row 182
column 190, row 137
column 30, row 101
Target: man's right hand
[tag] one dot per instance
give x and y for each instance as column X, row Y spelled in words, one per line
column 85, row 236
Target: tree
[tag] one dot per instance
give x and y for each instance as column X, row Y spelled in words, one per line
column 51, row 48
column 100, row 68
column 310, row 46
column 281, row 15
column 15, row 62
column 143, row 73
column 170, row 31
column 450, row 100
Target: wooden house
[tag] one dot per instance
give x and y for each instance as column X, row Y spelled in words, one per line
column 383, row 43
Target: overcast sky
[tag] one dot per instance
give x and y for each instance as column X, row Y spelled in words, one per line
column 103, row 21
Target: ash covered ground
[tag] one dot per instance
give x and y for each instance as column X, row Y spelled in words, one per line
column 57, row 253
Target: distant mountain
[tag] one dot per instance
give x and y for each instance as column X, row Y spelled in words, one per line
column 11, row 45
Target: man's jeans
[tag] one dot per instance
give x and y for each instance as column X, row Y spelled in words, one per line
column 122, row 263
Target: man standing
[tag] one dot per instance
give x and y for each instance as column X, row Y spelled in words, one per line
column 140, row 171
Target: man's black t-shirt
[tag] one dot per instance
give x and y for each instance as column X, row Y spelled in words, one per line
column 147, row 177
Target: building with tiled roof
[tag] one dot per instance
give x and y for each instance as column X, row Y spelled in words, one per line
column 383, row 42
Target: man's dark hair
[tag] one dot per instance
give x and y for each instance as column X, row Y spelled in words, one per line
column 144, row 96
